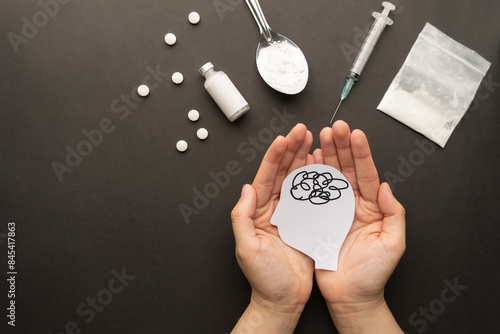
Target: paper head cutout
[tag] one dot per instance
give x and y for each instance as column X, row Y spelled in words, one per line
column 315, row 213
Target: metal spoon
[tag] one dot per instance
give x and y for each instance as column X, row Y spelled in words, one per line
column 280, row 62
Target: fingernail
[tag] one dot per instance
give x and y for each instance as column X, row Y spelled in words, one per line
column 245, row 192
column 390, row 189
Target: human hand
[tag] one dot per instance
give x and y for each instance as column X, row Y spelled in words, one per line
column 374, row 245
column 280, row 276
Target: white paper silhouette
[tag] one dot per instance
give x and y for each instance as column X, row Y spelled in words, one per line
column 315, row 213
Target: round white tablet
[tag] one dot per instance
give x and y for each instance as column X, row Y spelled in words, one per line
column 181, row 146
column 143, row 90
column 193, row 115
column 202, row 133
column 177, row 78
column 194, row 18
column 170, row 39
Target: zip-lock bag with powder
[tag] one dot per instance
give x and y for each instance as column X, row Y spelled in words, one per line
column 435, row 86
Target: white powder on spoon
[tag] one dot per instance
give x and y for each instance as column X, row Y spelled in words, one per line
column 283, row 64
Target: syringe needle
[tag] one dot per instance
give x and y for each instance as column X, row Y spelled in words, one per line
column 335, row 113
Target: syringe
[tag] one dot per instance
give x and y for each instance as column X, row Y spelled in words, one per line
column 381, row 20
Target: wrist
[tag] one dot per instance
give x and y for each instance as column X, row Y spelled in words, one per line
column 284, row 316
column 353, row 307
column 372, row 317
column 262, row 316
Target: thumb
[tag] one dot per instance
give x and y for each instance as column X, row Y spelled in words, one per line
column 394, row 224
column 242, row 214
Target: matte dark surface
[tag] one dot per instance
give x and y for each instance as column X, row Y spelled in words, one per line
column 119, row 208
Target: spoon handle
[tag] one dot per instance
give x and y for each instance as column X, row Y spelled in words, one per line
column 264, row 27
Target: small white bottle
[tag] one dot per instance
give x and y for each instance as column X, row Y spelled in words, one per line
column 224, row 92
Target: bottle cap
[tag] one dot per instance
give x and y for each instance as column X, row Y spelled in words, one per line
column 205, row 68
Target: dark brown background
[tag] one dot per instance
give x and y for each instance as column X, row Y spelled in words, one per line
column 119, row 208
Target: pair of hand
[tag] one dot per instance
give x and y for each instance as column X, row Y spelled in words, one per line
column 281, row 277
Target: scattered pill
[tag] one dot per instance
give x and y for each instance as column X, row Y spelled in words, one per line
column 143, row 90
column 181, row 146
column 193, row 115
column 177, row 78
column 170, row 39
column 202, row 133
column 194, row 18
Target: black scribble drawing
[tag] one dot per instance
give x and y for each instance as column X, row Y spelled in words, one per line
column 317, row 188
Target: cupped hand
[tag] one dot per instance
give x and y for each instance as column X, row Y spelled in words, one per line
column 280, row 276
column 376, row 240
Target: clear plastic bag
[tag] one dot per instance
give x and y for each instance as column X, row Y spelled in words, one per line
column 435, row 86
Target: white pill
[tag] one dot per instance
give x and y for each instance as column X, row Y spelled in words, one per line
column 177, row 78
column 181, row 146
column 194, row 17
column 143, row 90
column 170, row 39
column 202, row 133
column 193, row 115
